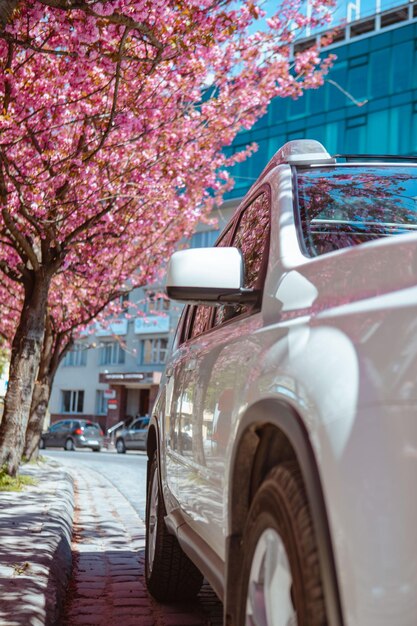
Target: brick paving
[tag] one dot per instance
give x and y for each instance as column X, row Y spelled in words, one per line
column 108, row 586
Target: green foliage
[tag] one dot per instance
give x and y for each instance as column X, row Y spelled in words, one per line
column 40, row 459
column 14, row 483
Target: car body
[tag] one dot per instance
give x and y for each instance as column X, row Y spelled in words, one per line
column 294, row 373
column 134, row 437
column 73, row 433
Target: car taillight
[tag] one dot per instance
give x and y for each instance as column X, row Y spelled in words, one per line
column 78, row 431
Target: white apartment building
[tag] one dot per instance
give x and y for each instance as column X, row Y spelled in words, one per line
column 113, row 375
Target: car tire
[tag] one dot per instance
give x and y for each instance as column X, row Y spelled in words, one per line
column 169, row 573
column 280, row 544
column 41, row 444
column 69, row 445
column 120, row 446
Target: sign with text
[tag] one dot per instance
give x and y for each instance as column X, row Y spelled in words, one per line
column 152, row 324
column 119, row 327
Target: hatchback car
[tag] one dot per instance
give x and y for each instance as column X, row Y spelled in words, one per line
column 293, row 375
column 71, row 434
column 134, row 437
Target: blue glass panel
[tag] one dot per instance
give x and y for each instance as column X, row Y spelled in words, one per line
column 402, row 66
column 413, row 138
column 380, row 41
column 335, row 137
column 380, row 72
column 358, row 81
column 377, row 141
column 399, row 135
column 277, row 111
column 338, row 74
column 318, row 99
column 403, row 34
column 355, row 140
column 275, row 143
column 359, row 47
column 297, row 107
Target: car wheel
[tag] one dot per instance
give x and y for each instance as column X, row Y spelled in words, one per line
column 120, row 446
column 169, row 573
column 41, row 444
column 281, row 581
column 69, row 444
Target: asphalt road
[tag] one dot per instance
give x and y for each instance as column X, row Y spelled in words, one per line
column 127, row 472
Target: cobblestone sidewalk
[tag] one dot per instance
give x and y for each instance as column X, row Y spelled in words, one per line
column 107, row 586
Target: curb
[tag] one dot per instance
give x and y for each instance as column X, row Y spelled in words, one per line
column 35, row 553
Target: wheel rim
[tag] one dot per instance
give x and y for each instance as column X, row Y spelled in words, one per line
column 120, row 446
column 152, row 520
column 69, row 445
column 269, row 601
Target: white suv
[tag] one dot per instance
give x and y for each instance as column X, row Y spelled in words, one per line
column 283, row 444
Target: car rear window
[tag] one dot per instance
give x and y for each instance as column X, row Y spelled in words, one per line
column 342, row 206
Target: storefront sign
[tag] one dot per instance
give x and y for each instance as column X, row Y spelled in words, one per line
column 152, row 324
column 119, row 327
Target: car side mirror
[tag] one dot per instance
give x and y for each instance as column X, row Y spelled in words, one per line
column 209, row 276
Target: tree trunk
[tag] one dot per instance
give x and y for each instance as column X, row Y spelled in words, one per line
column 24, row 363
column 54, row 348
column 40, row 400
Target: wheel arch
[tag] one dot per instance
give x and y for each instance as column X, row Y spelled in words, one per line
column 272, row 432
column 152, row 446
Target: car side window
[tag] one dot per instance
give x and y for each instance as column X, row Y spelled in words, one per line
column 201, row 320
column 201, row 314
column 251, row 237
column 55, row 427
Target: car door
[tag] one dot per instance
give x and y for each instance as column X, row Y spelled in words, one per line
column 221, row 352
column 58, row 432
column 139, row 433
column 129, row 435
column 51, row 435
column 182, row 432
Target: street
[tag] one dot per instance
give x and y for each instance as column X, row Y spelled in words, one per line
column 127, row 472
column 108, row 548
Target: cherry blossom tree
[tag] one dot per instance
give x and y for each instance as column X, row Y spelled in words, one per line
column 113, row 118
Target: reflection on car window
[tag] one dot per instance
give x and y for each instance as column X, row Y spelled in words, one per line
column 348, row 205
column 201, row 314
column 201, row 319
column 250, row 237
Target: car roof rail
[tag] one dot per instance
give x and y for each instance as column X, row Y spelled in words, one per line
column 375, row 157
column 299, row 152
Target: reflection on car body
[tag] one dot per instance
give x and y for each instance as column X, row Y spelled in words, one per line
column 294, row 376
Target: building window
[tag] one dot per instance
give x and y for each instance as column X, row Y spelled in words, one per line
column 76, row 357
column 204, row 239
column 101, row 403
column 154, row 351
column 156, row 303
column 112, row 353
column 72, row 401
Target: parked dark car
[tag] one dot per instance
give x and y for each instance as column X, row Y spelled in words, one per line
column 71, row 434
column 134, row 437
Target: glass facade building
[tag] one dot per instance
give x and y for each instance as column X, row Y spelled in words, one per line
column 376, row 66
